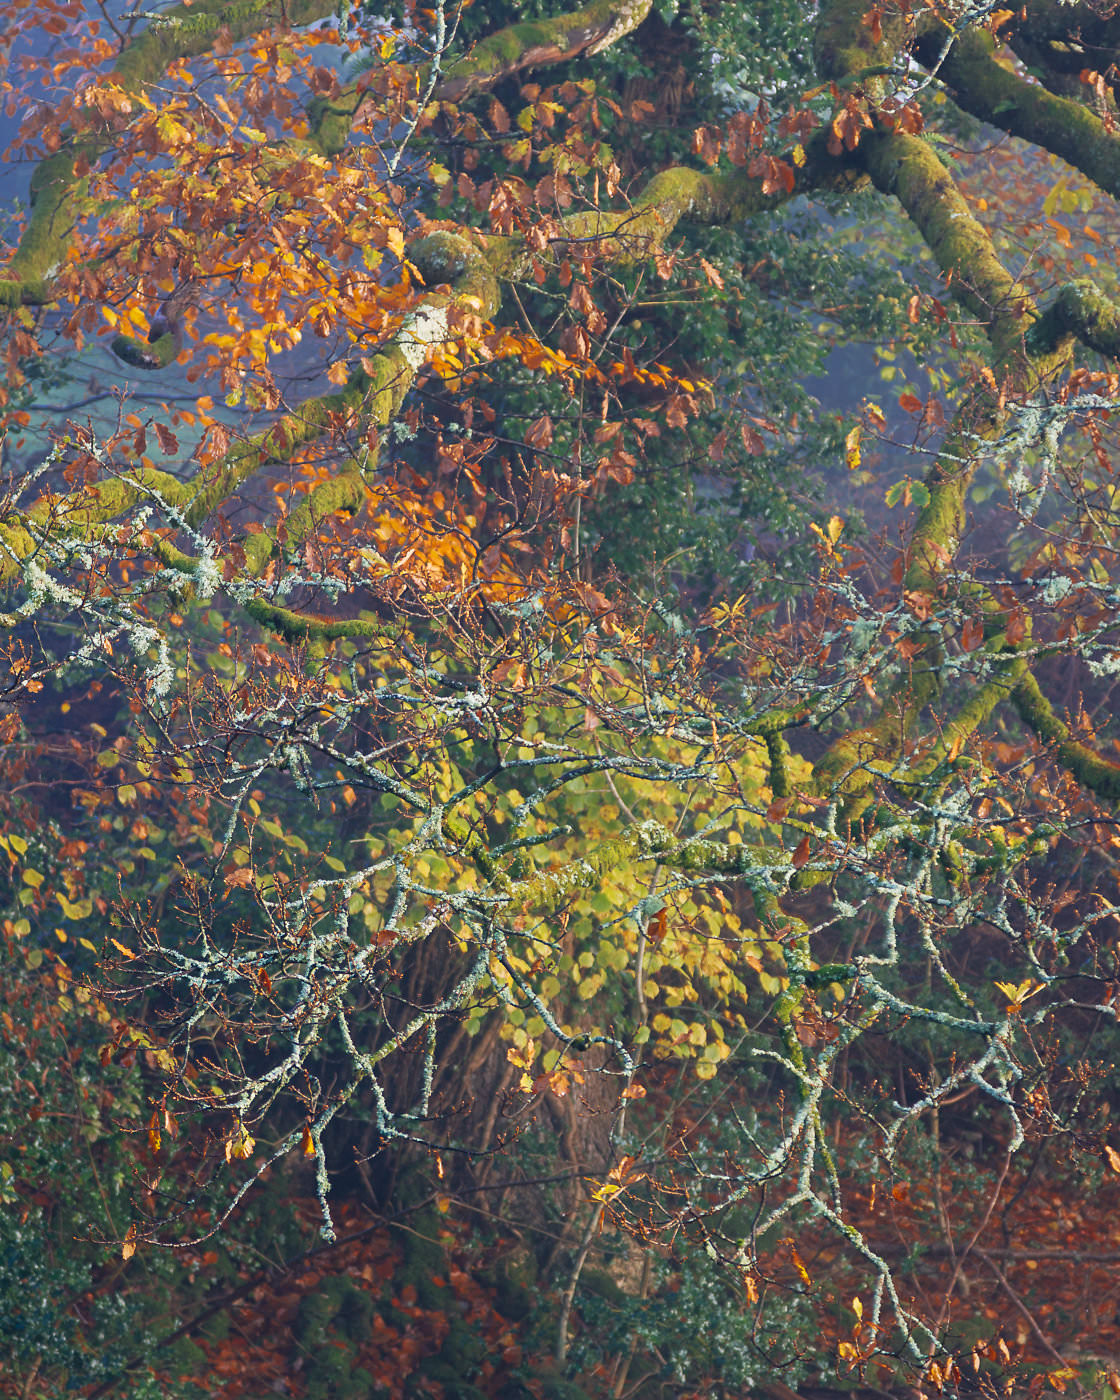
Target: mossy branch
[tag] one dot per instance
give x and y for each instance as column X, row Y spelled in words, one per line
column 1080, row 310
column 997, row 95
column 538, row 43
column 516, row 49
column 56, row 189
column 908, row 168
column 781, row 783
column 1093, row 772
column 296, row 627
column 846, row 52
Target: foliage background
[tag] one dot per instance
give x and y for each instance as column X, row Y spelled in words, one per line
column 559, row 816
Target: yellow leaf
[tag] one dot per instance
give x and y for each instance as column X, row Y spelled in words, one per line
column 80, row 910
column 240, row 1144
column 1017, row 995
column 802, row 1271
column 1113, row 1157
column 128, row 1248
column 835, row 526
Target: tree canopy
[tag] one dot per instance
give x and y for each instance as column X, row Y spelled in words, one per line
column 575, row 663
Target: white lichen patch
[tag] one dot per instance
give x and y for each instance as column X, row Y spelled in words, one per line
column 420, row 331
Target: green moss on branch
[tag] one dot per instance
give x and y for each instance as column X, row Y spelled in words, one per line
column 536, row 43
column 297, row 627
column 1092, row 771
column 80, row 515
column 215, row 484
column 343, row 495
column 57, row 192
column 674, row 196
column 530, row 44
column 451, row 258
column 846, row 52
column 781, row 784
column 999, row 96
column 908, row 168
column 143, row 354
column 1080, row 310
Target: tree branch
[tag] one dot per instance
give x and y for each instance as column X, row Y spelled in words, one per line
column 538, row 43
column 983, row 86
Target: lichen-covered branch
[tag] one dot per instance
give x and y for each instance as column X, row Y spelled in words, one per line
column 472, row 268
